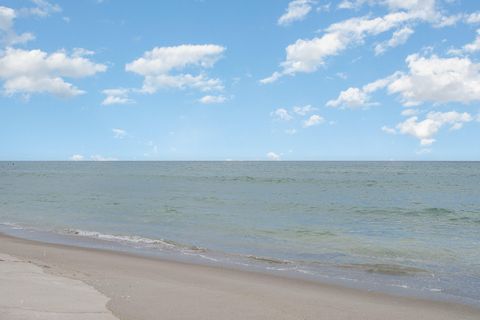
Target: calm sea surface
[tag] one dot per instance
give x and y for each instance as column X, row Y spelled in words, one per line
column 410, row 228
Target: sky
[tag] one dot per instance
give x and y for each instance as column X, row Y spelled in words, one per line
column 240, row 80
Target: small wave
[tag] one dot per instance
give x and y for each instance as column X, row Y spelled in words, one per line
column 256, row 179
column 12, row 225
column 121, row 238
column 269, row 260
column 314, row 233
column 387, row 269
column 437, row 211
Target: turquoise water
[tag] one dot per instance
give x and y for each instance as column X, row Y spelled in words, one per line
column 405, row 227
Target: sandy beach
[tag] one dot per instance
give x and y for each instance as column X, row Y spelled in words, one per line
column 50, row 281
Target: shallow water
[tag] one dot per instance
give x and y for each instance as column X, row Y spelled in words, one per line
column 406, row 227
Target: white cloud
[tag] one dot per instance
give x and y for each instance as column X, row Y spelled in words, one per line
column 388, row 130
column 209, row 99
column 359, row 97
column 348, row 4
column 116, row 96
column 303, row 110
column 282, row 114
column 273, row 156
column 8, row 36
column 430, row 79
column 409, row 112
column 399, row 37
column 308, row 55
column 473, row 18
column 98, row 157
column 119, row 133
column 438, row 80
column 77, row 157
column 159, row 65
column 469, row 47
column 313, row 121
column 426, row 8
column 274, row 77
column 42, row 9
column 423, row 151
column 291, row 131
column 351, row 98
column 35, row 71
column 325, row 7
column 448, row 21
column 297, row 10
column 425, row 130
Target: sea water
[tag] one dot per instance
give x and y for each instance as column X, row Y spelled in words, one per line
column 409, row 228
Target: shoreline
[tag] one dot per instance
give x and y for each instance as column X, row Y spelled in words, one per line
column 145, row 288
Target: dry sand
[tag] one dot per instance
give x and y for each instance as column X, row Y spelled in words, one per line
column 145, row 288
column 26, row 292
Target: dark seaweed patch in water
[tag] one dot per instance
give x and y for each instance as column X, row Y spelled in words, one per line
column 430, row 211
column 464, row 219
column 387, row 269
column 254, row 179
column 438, row 211
column 316, row 233
column 269, row 260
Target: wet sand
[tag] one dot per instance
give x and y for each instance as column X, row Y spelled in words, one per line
column 135, row 287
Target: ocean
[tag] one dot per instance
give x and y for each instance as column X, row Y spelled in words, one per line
column 407, row 228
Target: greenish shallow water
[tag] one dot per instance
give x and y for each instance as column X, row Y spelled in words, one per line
column 411, row 227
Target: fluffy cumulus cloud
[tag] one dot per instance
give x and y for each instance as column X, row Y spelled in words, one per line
column 300, row 113
column 473, row 18
column 209, row 99
column 471, row 47
column 119, row 133
column 303, row 110
column 282, row 114
column 426, row 129
column 438, row 80
column 399, row 37
column 313, row 120
column 165, row 67
column 77, row 157
column 116, row 96
column 388, row 130
column 272, row 156
column 409, row 112
column 307, row 55
column 42, row 8
column 358, row 97
column 352, row 98
column 8, row 36
column 297, row 10
column 35, row 71
column 97, row 157
column 429, row 79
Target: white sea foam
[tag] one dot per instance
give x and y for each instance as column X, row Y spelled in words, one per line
column 12, row 225
column 120, row 238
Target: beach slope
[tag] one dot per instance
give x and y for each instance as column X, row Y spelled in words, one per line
column 144, row 288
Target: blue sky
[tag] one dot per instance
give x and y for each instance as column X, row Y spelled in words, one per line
column 240, row 80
